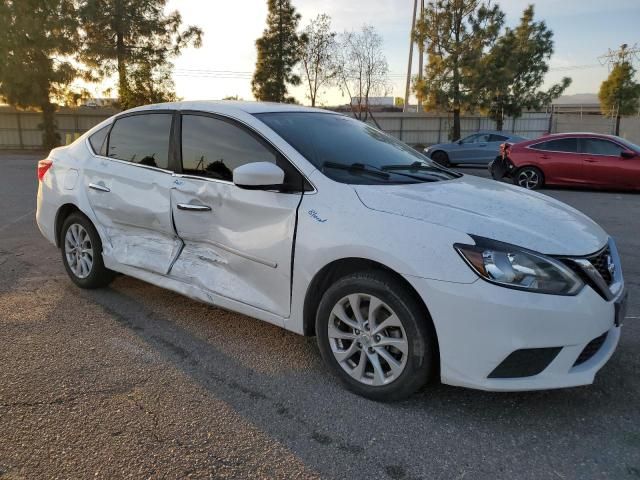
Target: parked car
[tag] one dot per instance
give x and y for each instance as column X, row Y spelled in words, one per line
column 478, row 148
column 577, row 159
column 404, row 270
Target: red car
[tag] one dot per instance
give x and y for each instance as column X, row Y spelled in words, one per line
column 577, row 159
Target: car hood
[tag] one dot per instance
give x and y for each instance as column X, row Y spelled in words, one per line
column 491, row 209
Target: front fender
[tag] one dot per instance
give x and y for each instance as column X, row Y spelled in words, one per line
column 344, row 228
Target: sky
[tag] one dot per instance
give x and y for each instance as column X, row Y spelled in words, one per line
column 583, row 31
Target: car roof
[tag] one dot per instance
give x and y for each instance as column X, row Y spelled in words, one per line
column 229, row 107
column 558, row 136
column 576, row 134
column 495, row 132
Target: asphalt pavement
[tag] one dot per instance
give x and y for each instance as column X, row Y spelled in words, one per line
column 136, row 381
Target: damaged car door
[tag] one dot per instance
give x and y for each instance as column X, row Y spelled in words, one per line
column 129, row 191
column 237, row 242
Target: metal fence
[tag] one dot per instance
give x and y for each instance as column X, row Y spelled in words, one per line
column 21, row 129
column 428, row 129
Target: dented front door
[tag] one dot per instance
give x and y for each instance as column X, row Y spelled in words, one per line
column 237, row 243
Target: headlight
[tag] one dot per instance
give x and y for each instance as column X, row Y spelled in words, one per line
column 515, row 267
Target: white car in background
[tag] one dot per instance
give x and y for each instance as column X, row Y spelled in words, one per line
column 318, row 223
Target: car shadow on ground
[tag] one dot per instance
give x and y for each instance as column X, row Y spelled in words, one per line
column 307, row 401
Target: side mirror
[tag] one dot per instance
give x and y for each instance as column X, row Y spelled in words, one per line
column 627, row 154
column 258, row 175
column 459, row 142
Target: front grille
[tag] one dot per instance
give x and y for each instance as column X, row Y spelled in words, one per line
column 591, row 349
column 600, row 262
column 525, row 363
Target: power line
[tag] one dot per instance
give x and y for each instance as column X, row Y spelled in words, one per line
column 241, row 75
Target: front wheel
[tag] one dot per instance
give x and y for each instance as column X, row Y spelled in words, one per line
column 530, row 178
column 441, row 158
column 376, row 337
column 82, row 253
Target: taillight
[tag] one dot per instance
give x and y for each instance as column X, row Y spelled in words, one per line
column 43, row 167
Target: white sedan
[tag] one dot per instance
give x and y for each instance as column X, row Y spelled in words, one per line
column 320, row 224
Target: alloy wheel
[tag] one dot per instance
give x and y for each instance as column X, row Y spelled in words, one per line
column 368, row 339
column 78, row 250
column 528, row 179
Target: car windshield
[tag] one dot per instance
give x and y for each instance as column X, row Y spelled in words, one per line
column 628, row 144
column 350, row 151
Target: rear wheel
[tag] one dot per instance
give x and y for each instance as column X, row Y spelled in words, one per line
column 82, row 253
column 530, row 178
column 375, row 336
column 441, row 158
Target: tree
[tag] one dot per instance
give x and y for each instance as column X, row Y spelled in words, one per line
column 456, row 34
column 361, row 68
column 34, row 36
column 317, row 45
column 512, row 72
column 620, row 94
column 135, row 39
column 148, row 83
column 278, row 53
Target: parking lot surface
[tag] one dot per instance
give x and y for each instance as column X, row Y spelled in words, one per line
column 136, row 381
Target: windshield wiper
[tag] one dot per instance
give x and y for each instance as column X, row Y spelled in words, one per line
column 370, row 169
column 357, row 167
column 411, row 166
column 420, row 167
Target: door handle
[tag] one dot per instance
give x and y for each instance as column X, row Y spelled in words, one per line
column 590, row 160
column 190, row 207
column 482, row 145
column 99, row 187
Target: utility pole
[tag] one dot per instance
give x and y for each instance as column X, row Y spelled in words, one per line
column 624, row 54
column 411, row 41
column 420, row 59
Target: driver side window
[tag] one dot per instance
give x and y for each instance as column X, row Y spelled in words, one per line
column 213, row 148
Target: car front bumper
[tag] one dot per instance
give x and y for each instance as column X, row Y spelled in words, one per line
column 479, row 325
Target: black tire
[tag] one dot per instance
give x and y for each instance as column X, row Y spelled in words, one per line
column 98, row 275
column 529, row 177
column 441, row 158
column 422, row 352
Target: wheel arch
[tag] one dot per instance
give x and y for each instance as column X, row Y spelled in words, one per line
column 61, row 215
column 337, row 269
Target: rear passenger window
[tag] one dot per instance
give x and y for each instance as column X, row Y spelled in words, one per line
column 497, row 138
column 98, row 141
column 569, row 145
column 214, row 148
column 142, row 139
column 598, row 146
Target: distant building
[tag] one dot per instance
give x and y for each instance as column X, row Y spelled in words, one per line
column 99, row 102
column 374, row 101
